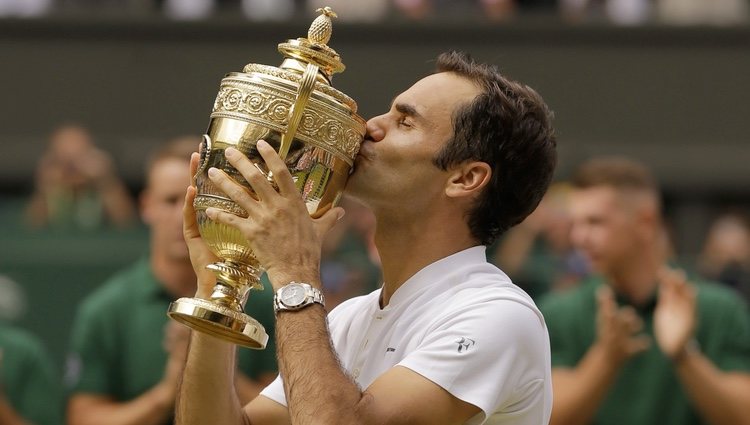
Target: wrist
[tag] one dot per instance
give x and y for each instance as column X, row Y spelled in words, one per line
column 689, row 348
column 612, row 358
column 164, row 395
column 280, row 278
column 296, row 296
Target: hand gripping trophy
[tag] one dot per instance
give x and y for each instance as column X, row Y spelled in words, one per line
column 316, row 131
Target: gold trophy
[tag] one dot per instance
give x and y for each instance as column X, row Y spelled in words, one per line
column 316, row 131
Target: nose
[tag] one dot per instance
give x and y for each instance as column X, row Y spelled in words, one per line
column 375, row 131
column 578, row 235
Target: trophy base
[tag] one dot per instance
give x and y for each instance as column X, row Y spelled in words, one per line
column 219, row 321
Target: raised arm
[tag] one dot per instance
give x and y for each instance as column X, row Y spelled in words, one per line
column 721, row 397
column 288, row 243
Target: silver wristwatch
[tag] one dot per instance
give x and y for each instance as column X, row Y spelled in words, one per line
column 296, row 295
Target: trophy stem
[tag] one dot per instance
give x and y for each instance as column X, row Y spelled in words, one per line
column 222, row 315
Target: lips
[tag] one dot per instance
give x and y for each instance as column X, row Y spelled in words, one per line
column 365, row 151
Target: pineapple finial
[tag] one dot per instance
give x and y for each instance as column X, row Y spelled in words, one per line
column 321, row 28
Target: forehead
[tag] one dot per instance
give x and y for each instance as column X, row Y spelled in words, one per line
column 168, row 174
column 598, row 199
column 436, row 96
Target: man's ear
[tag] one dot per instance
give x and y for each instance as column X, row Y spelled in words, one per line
column 468, row 179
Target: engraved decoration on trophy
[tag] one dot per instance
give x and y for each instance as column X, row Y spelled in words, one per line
column 316, row 131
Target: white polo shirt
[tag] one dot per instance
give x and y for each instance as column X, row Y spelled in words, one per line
column 461, row 323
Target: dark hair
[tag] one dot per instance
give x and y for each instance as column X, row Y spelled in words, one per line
column 509, row 127
column 179, row 148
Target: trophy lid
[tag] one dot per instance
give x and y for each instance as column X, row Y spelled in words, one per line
column 314, row 49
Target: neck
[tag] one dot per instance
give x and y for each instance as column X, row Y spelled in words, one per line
column 176, row 276
column 407, row 245
column 637, row 278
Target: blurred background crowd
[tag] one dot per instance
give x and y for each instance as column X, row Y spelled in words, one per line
column 94, row 87
column 620, row 12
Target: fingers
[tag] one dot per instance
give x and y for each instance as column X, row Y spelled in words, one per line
column 639, row 344
column 605, row 300
column 280, row 172
column 189, row 222
column 224, row 217
column 250, row 171
column 257, row 180
column 673, row 283
column 239, row 194
column 619, row 327
column 630, row 320
column 326, row 222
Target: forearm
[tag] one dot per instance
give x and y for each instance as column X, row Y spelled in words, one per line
column 579, row 392
column 153, row 407
column 318, row 391
column 721, row 398
column 207, row 393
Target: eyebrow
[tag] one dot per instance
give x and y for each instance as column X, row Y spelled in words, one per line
column 409, row 110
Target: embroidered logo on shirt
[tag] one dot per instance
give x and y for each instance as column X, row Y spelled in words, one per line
column 464, row 344
column 390, row 350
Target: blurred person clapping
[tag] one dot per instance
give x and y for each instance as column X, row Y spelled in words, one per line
column 77, row 185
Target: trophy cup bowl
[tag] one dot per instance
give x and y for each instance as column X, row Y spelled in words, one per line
column 316, row 131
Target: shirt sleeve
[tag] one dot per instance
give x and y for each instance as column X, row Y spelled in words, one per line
column 92, row 360
column 733, row 354
column 566, row 347
column 494, row 355
column 41, row 400
column 275, row 391
column 255, row 363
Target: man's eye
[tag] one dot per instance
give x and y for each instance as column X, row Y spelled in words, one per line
column 403, row 122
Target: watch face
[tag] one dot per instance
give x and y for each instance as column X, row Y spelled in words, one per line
column 293, row 295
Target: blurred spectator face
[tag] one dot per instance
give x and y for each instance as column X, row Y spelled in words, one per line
column 728, row 241
column 69, row 148
column 603, row 228
column 161, row 207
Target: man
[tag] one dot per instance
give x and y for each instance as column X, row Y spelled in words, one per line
column 127, row 356
column 460, row 157
column 640, row 344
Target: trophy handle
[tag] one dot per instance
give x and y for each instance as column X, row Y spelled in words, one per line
column 306, row 86
column 204, row 151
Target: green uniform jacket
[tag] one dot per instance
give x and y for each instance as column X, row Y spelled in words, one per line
column 116, row 346
column 647, row 391
column 28, row 379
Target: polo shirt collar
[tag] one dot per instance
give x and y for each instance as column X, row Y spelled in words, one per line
column 434, row 275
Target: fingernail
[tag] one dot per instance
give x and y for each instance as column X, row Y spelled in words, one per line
column 230, row 152
column 341, row 215
column 261, row 143
column 213, row 172
column 211, row 212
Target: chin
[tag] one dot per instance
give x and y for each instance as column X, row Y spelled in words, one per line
column 180, row 254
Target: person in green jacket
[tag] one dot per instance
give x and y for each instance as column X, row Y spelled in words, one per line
column 641, row 343
column 126, row 356
column 30, row 390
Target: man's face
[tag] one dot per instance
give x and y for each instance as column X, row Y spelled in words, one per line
column 603, row 227
column 395, row 165
column 162, row 207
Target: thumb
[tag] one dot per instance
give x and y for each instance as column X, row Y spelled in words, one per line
column 326, row 222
